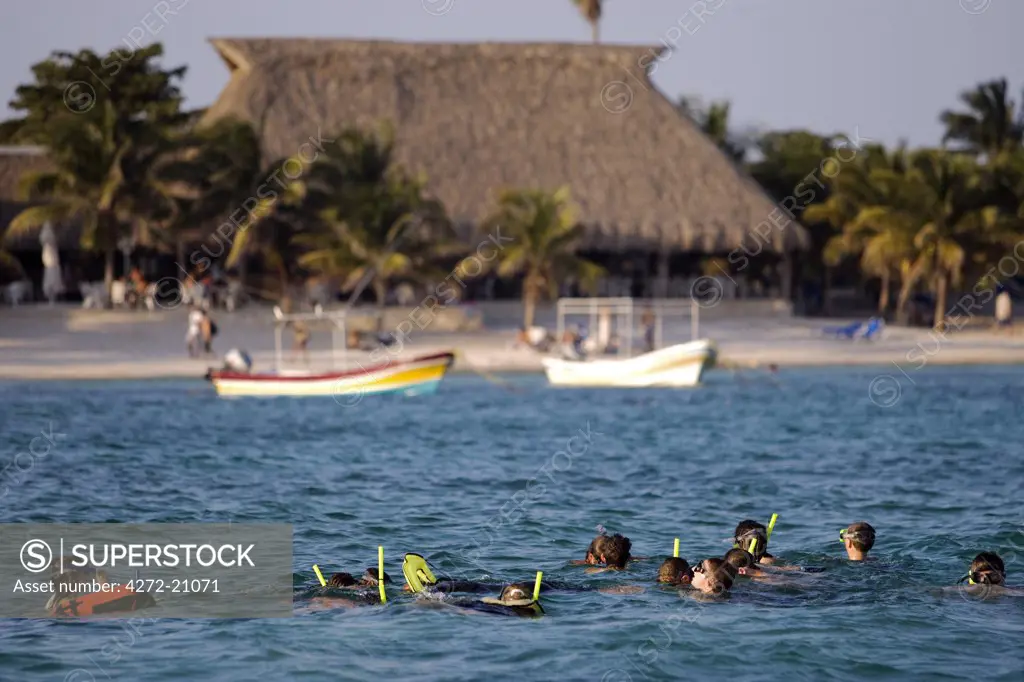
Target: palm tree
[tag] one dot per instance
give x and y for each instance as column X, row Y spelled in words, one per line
column 373, row 224
column 714, row 122
column 990, row 126
column 883, row 243
column 544, row 232
column 939, row 205
column 591, row 11
column 957, row 219
column 96, row 151
column 224, row 178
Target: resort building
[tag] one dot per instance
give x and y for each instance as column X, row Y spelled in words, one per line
column 657, row 198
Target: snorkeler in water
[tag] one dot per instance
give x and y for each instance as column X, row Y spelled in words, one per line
column 713, row 576
column 753, row 537
column 515, row 600
column 613, row 552
column 675, row 571
column 745, row 535
column 858, row 539
column 594, row 551
column 344, row 591
column 744, row 562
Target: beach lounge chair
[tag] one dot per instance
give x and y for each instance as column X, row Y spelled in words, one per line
column 848, row 332
column 870, row 330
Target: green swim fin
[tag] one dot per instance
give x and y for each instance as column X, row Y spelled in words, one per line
column 417, row 573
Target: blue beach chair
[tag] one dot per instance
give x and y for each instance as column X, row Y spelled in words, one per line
column 847, row 332
column 872, row 329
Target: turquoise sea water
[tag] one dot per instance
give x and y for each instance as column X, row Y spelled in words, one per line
column 939, row 474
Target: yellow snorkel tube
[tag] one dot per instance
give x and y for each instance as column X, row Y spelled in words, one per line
column 771, row 526
column 675, row 549
column 380, row 574
column 319, row 576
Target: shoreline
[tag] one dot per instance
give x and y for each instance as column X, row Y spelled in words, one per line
column 152, row 371
column 40, row 343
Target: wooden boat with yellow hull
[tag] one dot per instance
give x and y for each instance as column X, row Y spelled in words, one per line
column 415, row 376
column 347, row 380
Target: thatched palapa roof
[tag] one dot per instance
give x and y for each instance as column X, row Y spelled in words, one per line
column 479, row 118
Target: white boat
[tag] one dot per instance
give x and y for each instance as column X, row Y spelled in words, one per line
column 680, row 365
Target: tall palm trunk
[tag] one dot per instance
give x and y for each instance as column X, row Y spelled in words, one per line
column 380, row 292
column 902, row 316
column 595, row 32
column 826, row 290
column 108, row 268
column 885, row 294
column 941, row 291
column 180, row 253
column 531, row 292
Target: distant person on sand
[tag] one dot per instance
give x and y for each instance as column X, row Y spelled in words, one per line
column 647, row 322
column 209, row 329
column 195, row 330
column 1004, row 310
column 300, row 346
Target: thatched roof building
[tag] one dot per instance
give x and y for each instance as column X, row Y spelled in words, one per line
column 478, row 118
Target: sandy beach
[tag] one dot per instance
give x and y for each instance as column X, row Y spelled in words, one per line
column 67, row 342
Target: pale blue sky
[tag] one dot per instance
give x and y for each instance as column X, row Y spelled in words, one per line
column 886, row 67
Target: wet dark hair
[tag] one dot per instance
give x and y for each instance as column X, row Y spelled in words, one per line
column 719, row 574
column 597, row 546
column 988, row 569
column 370, row 577
column 675, row 571
column 861, row 535
column 748, row 530
column 341, row 580
column 737, row 557
column 616, row 551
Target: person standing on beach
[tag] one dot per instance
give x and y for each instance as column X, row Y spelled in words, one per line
column 300, row 346
column 195, row 330
column 208, row 329
column 647, row 322
column 1004, row 310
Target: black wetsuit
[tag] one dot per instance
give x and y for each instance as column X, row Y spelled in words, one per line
column 446, row 586
column 531, row 611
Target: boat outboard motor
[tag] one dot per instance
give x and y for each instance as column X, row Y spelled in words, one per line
column 237, row 360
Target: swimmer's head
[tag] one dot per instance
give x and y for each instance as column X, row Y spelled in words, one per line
column 988, row 569
column 615, row 551
column 596, row 549
column 713, row 576
column 341, row 580
column 749, row 530
column 370, row 577
column 675, row 571
column 516, row 592
column 742, row 560
column 858, row 538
